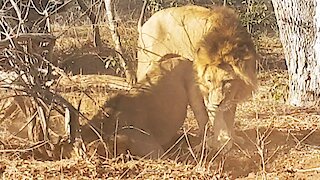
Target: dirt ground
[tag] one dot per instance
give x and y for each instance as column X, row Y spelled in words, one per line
column 281, row 142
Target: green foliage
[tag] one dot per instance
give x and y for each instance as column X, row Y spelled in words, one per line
column 154, row 6
column 280, row 89
column 257, row 16
column 157, row 5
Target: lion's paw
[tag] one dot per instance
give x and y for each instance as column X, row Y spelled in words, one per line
column 239, row 140
column 222, row 142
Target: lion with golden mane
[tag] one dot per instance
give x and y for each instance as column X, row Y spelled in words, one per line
column 147, row 117
column 222, row 51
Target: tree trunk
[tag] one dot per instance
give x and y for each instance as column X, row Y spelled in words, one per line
column 93, row 18
column 299, row 26
column 130, row 75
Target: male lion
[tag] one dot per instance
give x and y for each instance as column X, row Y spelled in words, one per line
column 149, row 115
column 223, row 53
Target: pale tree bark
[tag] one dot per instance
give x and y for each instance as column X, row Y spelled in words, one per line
column 299, row 26
column 130, row 75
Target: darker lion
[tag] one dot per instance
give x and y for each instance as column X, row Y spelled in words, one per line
column 223, row 54
column 149, row 115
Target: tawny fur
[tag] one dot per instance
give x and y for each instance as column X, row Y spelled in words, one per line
column 223, row 53
column 149, row 116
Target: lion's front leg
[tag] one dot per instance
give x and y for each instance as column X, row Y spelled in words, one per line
column 229, row 117
column 223, row 127
column 197, row 105
column 222, row 136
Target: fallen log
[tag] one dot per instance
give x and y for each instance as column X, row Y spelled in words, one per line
column 99, row 83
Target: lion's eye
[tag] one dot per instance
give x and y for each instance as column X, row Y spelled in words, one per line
column 227, row 85
column 208, row 79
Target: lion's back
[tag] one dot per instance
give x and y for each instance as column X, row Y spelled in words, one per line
column 167, row 30
column 158, row 104
column 178, row 30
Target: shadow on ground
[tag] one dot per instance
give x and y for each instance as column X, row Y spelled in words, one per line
column 261, row 148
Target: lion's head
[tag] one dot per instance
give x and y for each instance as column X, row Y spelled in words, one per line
column 225, row 61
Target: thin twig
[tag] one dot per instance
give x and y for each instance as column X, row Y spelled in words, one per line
column 168, row 150
column 203, row 143
column 27, row 123
column 307, row 170
column 219, row 151
column 189, row 145
column 36, row 146
column 115, row 138
column 309, row 134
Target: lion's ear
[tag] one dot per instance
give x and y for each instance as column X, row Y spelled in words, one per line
column 199, row 50
column 205, row 56
column 199, row 55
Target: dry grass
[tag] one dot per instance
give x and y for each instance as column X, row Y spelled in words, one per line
column 81, row 38
column 117, row 168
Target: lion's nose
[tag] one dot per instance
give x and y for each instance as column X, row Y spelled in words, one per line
column 212, row 107
column 215, row 97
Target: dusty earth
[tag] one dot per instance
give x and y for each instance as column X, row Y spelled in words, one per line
column 282, row 142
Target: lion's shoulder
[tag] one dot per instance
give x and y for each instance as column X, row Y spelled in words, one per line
column 170, row 67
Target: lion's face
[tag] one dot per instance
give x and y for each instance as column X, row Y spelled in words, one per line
column 217, row 84
column 225, row 77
